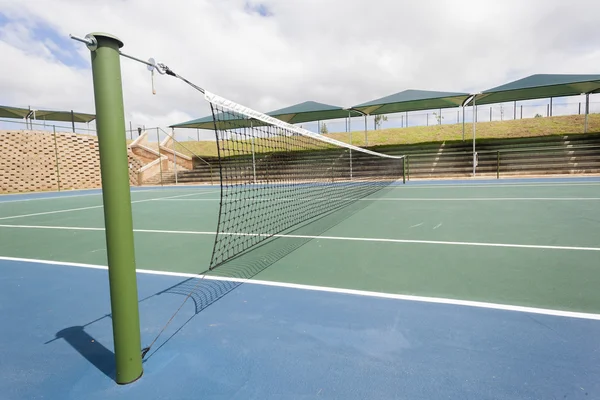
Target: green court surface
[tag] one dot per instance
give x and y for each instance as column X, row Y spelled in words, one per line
column 524, row 243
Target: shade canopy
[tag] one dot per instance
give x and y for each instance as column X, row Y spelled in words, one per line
column 13, row 112
column 307, row 111
column 47, row 115
column 540, row 86
column 412, row 100
column 224, row 121
column 64, row 116
column 310, row 111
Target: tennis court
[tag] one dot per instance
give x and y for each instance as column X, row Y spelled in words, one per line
column 445, row 289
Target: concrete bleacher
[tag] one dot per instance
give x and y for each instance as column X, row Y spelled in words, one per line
column 565, row 154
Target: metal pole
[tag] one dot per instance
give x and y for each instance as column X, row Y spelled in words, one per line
column 587, row 111
column 407, row 119
column 350, row 132
column 253, row 157
column 198, row 133
column 474, row 123
column 440, row 117
column 490, row 114
column 579, row 112
column 174, row 154
column 550, row 106
column 498, row 165
column 427, row 119
column 463, row 110
column 521, row 111
column 114, row 165
column 56, row 156
column 73, row 120
column 515, row 111
column 130, row 131
column 547, row 110
column 366, row 135
column 159, row 156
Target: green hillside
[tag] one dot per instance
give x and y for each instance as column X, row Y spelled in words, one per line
column 429, row 134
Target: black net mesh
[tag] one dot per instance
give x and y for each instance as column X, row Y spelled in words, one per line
column 276, row 177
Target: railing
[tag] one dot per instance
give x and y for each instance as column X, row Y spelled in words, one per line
column 194, row 155
column 499, row 152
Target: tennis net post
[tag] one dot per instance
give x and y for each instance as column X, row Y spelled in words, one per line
column 114, row 166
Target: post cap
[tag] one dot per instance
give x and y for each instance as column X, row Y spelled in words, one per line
column 108, row 36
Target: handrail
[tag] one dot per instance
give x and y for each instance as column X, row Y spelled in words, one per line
column 548, row 148
column 181, row 144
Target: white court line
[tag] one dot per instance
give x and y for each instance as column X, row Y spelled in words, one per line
column 342, row 238
column 400, row 199
column 422, row 299
column 494, row 185
column 89, row 208
column 57, row 197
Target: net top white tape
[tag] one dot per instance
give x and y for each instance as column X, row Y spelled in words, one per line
column 238, row 108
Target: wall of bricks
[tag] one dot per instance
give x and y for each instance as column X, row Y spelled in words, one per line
column 37, row 160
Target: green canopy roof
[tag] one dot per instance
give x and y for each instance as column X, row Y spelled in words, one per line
column 225, row 121
column 412, row 100
column 311, row 111
column 65, row 116
column 296, row 114
column 13, row 112
column 48, row 115
column 540, row 86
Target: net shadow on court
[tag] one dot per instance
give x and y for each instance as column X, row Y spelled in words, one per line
column 231, row 274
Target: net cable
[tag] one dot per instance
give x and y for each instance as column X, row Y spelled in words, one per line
column 275, row 176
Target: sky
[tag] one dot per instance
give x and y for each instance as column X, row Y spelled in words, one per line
column 274, row 53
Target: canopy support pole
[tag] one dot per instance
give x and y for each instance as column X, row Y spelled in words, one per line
column 253, row 156
column 474, row 123
column 463, row 110
column 350, row 138
column 366, row 134
column 587, row 111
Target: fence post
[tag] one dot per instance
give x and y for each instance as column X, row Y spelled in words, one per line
column 174, row 156
column 159, row 157
column 498, row 165
column 56, row 156
column 408, row 167
column 404, row 170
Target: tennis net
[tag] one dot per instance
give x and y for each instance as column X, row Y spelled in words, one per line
column 276, row 176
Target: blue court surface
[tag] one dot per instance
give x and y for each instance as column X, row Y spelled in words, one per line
column 265, row 342
column 276, row 334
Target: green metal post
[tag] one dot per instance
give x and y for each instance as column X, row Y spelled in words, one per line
column 110, row 122
column 408, row 167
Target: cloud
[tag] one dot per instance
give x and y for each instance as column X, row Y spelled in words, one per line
column 274, row 53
